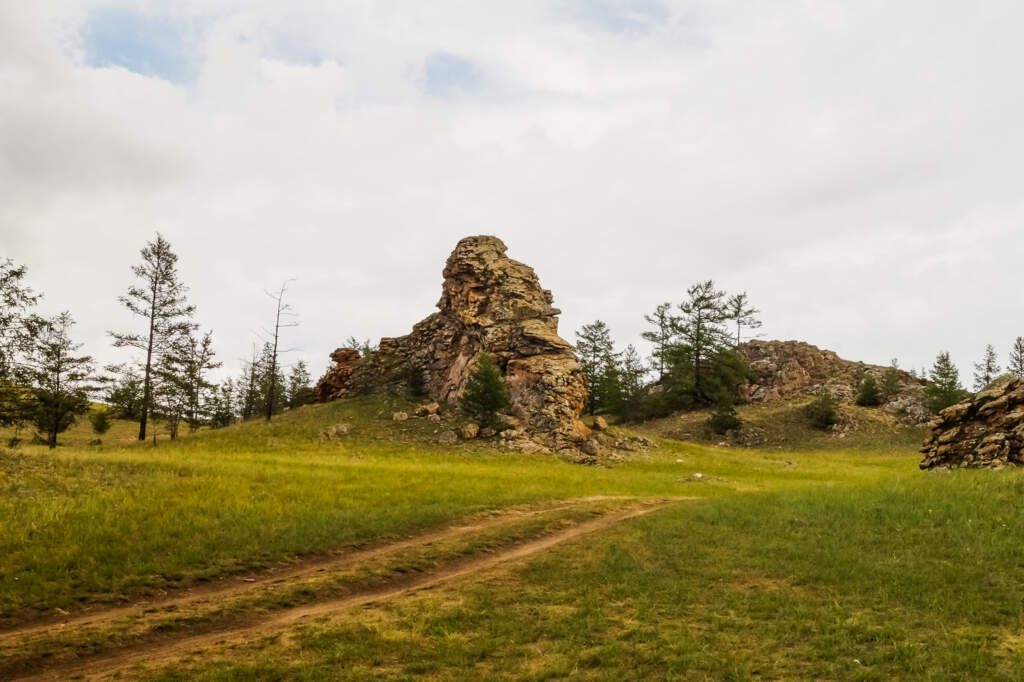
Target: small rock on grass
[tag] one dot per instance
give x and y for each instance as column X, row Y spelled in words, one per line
column 400, row 416
column 336, row 431
column 448, row 438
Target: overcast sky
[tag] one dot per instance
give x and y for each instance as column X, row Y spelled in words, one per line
column 854, row 166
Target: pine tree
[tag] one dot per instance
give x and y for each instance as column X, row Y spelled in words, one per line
column 986, row 371
column 125, row 392
column 823, row 410
column 268, row 383
column 943, row 388
column 598, row 360
column 160, row 301
column 18, row 330
column 869, row 394
column 701, row 328
column 891, row 381
column 248, row 387
column 664, row 323
column 183, row 374
column 100, row 420
column 486, row 392
column 742, row 314
column 59, row 380
column 1016, row 364
column 299, row 390
column 222, row 405
column 631, row 375
column 724, row 418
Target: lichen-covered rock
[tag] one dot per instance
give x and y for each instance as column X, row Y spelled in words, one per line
column 469, row 431
column 788, row 369
column 489, row 304
column 984, row 431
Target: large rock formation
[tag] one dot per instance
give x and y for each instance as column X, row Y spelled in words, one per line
column 984, row 431
column 788, row 369
column 489, row 304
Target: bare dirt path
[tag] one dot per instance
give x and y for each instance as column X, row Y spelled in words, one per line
column 238, row 584
column 167, row 651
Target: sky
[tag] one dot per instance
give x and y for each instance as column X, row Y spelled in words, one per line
column 854, row 166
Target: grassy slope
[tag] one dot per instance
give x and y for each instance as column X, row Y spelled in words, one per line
column 846, row 564
column 784, row 425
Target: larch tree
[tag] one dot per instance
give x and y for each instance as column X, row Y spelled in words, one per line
column 60, row 380
column 598, row 359
column 943, row 388
column 184, row 375
column 486, row 392
column 987, row 370
column 300, row 386
column 159, row 299
column 701, row 328
column 18, row 329
column 1016, row 364
column 661, row 335
column 742, row 314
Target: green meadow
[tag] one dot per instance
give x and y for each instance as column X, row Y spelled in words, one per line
column 774, row 563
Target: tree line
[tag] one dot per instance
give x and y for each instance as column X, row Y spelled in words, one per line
column 46, row 382
column 695, row 363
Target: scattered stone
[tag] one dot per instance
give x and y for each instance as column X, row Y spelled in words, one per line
column 427, row 410
column 448, row 437
column 469, row 431
column 435, row 418
column 591, row 447
column 984, row 431
column 336, row 431
column 600, row 424
column 489, row 304
column 400, row 416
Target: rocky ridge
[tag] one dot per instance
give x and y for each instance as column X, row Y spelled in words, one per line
column 788, row 369
column 489, row 304
column 986, row 430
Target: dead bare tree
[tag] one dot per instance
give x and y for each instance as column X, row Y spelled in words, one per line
column 284, row 310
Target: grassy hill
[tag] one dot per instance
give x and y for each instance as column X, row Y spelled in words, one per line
column 262, row 551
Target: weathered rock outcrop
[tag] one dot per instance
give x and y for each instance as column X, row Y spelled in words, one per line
column 489, row 304
column 984, row 431
column 787, row 369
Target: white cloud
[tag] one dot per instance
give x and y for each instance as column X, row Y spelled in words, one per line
column 855, row 167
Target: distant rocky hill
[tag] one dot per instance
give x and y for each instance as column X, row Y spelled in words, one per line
column 489, row 304
column 789, row 369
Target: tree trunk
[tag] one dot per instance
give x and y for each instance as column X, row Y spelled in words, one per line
column 147, row 391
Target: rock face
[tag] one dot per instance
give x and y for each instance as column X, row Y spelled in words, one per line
column 335, row 381
column 787, row 369
column 984, row 431
column 489, row 304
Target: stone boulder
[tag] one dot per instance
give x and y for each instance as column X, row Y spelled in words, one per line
column 489, row 304
column 984, row 431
